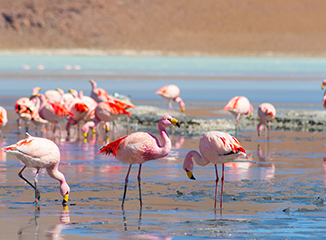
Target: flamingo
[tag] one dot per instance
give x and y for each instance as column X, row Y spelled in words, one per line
column 52, row 111
column 40, row 153
column 3, row 118
column 24, row 107
column 172, row 93
column 266, row 112
column 100, row 95
column 215, row 147
column 140, row 147
column 108, row 112
column 238, row 106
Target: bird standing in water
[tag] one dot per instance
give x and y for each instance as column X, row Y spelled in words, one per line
column 140, row 147
column 238, row 106
column 217, row 148
column 172, row 93
column 266, row 112
column 40, row 153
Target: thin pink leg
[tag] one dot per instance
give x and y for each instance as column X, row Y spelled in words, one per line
column 139, row 186
column 223, row 177
column 126, row 184
column 216, row 186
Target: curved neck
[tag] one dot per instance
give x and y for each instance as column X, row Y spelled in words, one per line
column 54, row 173
column 165, row 147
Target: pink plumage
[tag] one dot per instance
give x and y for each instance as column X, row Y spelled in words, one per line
column 171, row 92
column 239, row 106
column 140, row 147
column 266, row 112
column 215, row 147
column 39, row 153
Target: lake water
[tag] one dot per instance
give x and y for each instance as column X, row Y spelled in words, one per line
column 276, row 193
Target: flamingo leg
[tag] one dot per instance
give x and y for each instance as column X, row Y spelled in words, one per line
column 170, row 105
column 216, row 186
column 139, row 186
column 126, row 184
column 22, row 177
column 37, row 192
column 223, row 177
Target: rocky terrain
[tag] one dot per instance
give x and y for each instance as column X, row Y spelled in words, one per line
column 183, row 27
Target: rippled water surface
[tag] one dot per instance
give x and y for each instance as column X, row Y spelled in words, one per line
column 277, row 192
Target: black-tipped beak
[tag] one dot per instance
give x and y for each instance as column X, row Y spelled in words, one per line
column 178, row 124
column 190, row 175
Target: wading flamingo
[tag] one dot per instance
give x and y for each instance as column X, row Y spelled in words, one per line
column 172, row 93
column 3, row 118
column 238, row 106
column 217, row 148
column 140, row 147
column 266, row 112
column 40, row 153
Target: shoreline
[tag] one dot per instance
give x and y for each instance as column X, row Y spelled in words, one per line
column 158, row 53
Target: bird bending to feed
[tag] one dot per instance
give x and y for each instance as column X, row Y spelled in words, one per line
column 40, row 153
column 217, row 148
column 266, row 112
column 140, row 147
column 172, row 93
column 238, row 106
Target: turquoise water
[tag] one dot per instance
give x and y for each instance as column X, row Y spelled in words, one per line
column 278, row 80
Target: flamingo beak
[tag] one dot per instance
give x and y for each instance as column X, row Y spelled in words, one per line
column 175, row 122
column 190, row 175
column 322, row 86
column 65, row 199
column 250, row 114
column 258, row 133
column 183, row 109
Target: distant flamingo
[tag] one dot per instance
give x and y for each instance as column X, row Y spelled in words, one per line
column 3, row 118
column 172, row 93
column 266, row 112
column 52, row 111
column 238, row 106
column 108, row 112
column 217, row 148
column 40, row 153
column 100, row 95
column 140, row 147
column 24, row 107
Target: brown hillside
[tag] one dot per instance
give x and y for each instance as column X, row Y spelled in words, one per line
column 206, row 26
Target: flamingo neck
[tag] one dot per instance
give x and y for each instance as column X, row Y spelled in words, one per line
column 165, row 147
column 188, row 162
column 56, row 174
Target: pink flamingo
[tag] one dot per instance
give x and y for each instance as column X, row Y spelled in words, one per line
column 40, row 153
column 52, row 111
column 172, row 93
column 217, row 148
column 239, row 106
column 100, row 95
column 3, row 118
column 24, row 107
column 109, row 112
column 140, row 147
column 266, row 112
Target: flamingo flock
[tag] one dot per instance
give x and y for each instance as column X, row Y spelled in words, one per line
column 55, row 106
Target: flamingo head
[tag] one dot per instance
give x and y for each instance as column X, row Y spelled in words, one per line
column 60, row 91
column 188, row 166
column 93, row 83
column 259, row 128
column 167, row 121
column 73, row 92
column 181, row 103
column 324, row 84
column 64, row 190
